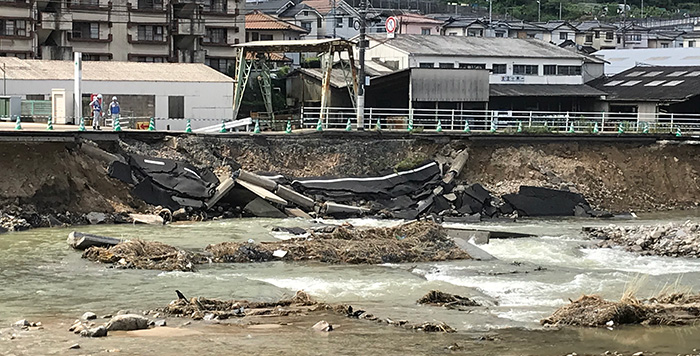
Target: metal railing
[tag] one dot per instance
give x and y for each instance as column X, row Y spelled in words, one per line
column 495, row 120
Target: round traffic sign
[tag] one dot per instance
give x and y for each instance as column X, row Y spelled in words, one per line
column 391, row 24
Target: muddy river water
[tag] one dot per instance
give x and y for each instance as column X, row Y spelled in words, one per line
column 42, row 279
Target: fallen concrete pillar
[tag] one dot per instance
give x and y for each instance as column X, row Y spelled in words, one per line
column 330, row 208
column 257, row 180
column 97, row 153
column 479, row 237
column 294, row 197
column 262, row 192
column 221, row 191
column 81, row 241
column 456, row 168
column 473, row 251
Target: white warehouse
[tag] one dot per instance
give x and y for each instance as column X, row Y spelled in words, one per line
column 161, row 90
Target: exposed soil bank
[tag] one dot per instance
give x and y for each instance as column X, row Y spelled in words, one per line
column 56, row 178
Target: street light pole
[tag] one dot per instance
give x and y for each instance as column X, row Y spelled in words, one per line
column 361, row 74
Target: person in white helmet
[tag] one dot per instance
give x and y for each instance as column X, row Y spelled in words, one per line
column 114, row 108
column 96, row 105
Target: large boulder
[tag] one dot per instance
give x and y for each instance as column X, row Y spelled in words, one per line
column 536, row 201
column 127, row 322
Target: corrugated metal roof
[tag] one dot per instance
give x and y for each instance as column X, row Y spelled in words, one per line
column 623, row 59
column 581, row 90
column 31, row 69
column 652, row 83
column 463, row 46
column 260, row 21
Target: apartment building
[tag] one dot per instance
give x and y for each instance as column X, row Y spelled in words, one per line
column 157, row 31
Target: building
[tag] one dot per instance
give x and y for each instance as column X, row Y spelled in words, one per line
column 632, row 36
column 596, row 34
column 123, row 30
column 464, row 27
column 516, row 29
column 665, row 38
column 540, row 75
column 416, row 24
column 645, row 91
column 620, row 60
column 263, row 27
column 144, row 90
column 324, row 18
column 559, row 32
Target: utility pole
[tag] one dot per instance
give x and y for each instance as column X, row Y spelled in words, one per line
column 642, row 9
column 4, row 79
column 624, row 24
column 335, row 20
column 361, row 75
column 539, row 11
column 560, row 11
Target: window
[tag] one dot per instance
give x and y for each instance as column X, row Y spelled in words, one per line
column 499, row 69
column 550, row 69
column 525, row 69
column 306, row 25
column 426, row 65
column 254, row 36
column 563, row 36
column 36, row 97
column 609, row 35
column 633, row 37
column 95, row 57
column 597, row 34
column 472, row 66
column 425, row 31
column 86, row 30
column 13, row 28
column 589, row 38
column 664, row 45
column 530, row 35
column 351, row 22
column 691, row 43
column 150, row 33
column 306, row 12
column 569, row 70
column 447, row 65
column 215, row 35
column 339, row 22
column 215, row 5
column 319, row 22
column 475, row 32
column 265, row 37
column 220, row 64
column 500, row 34
column 150, row 4
column 148, row 59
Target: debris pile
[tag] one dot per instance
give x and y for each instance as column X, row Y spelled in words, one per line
column 141, row 254
column 436, row 297
column 413, row 242
column 199, row 308
column 594, row 311
column 673, row 240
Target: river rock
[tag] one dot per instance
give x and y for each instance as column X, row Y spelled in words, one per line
column 127, row 322
column 89, row 316
column 22, row 323
column 96, row 218
column 671, row 240
column 100, row 331
column 323, row 326
column 74, row 347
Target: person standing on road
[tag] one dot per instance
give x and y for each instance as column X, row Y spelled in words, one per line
column 96, row 105
column 114, row 108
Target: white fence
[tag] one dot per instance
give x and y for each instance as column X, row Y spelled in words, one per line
column 488, row 120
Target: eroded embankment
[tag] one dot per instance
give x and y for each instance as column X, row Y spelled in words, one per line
column 42, row 178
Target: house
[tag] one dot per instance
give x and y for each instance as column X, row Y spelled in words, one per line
column 690, row 39
column 596, row 34
column 416, row 24
column 270, row 7
column 324, row 18
column 516, row 29
column 632, row 36
column 262, row 27
column 559, row 32
column 645, row 91
column 144, row 90
column 464, row 27
column 620, row 60
column 665, row 38
column 123, row 30
column 540, row 75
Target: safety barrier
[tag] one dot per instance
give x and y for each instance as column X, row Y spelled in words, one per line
column 494, row 120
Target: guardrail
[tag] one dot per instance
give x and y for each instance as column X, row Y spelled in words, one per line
column 493, row 120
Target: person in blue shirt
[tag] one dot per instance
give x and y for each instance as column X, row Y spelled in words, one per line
column 96, row 105
column 114, row 108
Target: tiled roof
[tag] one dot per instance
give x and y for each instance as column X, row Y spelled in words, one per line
column 32, row 69
column 273, row 57
column 260, row 21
